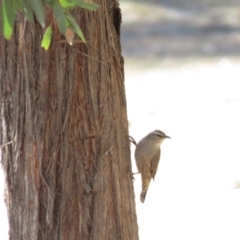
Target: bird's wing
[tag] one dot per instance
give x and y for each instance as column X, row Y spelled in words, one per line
column 154, row 163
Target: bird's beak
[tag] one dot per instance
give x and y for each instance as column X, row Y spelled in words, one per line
column 167, row 137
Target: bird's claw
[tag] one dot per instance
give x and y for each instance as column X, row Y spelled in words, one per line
column 132, row 140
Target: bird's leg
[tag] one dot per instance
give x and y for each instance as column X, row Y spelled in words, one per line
column 135, row 173
column 131, row 173
column 132, row 140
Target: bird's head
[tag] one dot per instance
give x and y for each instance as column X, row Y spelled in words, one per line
column 157, row 136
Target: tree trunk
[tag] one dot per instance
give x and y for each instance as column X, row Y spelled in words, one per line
column 68, row 167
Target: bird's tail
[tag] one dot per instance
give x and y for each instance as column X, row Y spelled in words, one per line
column 145, row 184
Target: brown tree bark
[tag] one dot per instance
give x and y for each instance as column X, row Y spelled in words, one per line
column 67, row 169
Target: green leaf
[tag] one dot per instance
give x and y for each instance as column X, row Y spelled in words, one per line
column 75, row 26
column 7, row 28
column 86, row 4
column 60, row 17
column 38, row 9
column 49, row 2
column 46, row 41
column 8, row 18
column 19, row 5
column 8, row 8
column 27, row 10
column 66, row 4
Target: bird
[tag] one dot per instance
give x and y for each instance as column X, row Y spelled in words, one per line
column 147, row 156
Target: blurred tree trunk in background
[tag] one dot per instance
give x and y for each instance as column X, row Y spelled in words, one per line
column 67, row 170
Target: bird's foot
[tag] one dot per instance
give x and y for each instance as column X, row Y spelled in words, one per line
column 132, row 140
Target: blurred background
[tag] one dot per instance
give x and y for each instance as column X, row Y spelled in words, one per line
column 182, row 71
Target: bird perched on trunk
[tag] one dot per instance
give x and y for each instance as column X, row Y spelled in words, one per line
column 147, row 156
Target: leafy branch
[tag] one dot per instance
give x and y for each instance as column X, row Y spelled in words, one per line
column 66, row 23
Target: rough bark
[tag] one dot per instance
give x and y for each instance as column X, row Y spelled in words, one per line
column 67, row 169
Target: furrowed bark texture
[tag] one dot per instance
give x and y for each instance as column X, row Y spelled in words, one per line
column 68, row 167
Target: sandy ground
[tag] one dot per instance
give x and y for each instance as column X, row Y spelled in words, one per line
column 182, row 61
